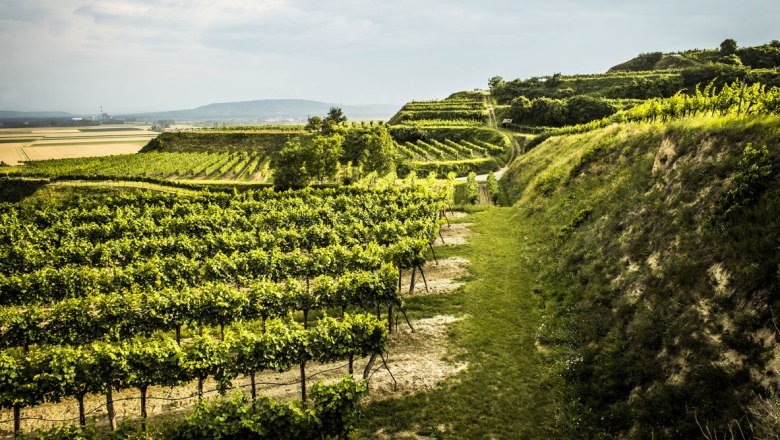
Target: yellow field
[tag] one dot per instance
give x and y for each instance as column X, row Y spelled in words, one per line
column 17, row 145
column 11, row 153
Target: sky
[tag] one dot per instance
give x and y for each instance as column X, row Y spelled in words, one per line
column 156, row 55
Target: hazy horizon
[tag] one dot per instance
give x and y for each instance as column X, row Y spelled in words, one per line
column 162, row 55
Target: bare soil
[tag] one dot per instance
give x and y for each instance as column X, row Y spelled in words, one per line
column 441, row 278
column 454, row 234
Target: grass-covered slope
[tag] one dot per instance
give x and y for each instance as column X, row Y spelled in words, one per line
column 660, row 274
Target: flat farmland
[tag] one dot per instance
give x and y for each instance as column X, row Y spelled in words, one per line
column 18, row 145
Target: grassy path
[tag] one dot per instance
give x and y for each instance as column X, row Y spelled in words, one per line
column 505, row 392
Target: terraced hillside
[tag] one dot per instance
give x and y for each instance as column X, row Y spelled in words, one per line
column 460, row 111
column 457, row 134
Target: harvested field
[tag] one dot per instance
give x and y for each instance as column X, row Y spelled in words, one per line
column 11, row 153
column 68, row 142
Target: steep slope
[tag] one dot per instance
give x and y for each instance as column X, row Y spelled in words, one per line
column 661, row 273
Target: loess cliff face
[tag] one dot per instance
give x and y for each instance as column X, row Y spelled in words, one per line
column 661, row 277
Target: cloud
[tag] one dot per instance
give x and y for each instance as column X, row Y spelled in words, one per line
column 167, row 54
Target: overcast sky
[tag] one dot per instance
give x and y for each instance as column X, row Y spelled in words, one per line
column 150, row 55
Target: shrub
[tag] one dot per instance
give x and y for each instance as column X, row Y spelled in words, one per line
column 755, row 170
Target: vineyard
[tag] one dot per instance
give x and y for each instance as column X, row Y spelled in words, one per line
column 240, row 166
column 154, row 289
column 736, row 98
column 236, row 154
column 448, row 136
column 434, row 112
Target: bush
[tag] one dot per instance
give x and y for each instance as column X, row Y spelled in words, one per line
column 583, row 109
column 557, row 113
column 755, row 171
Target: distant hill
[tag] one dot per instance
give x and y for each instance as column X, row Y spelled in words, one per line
column 766, row 56
column 8, row 114
column 270, row 110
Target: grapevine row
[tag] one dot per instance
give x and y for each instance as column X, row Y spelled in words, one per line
column 83, row 320
column 48, row 284
column 53, row 373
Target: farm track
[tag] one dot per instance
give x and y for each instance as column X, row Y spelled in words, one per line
column 505, row 391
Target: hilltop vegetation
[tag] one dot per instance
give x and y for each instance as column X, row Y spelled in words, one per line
column 559, row 100
column 766, row 56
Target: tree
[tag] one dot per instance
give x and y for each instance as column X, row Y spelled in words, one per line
column 520, row 111
column 314, row 123
column 495, row 84
column 549, row 112
column 493, row 187
column 290, row 166
column 333, row 120
column 555, row 80
column 371, row 147
column 472, row 188
column 583, row 109
column 728, row 47
column 322, row 156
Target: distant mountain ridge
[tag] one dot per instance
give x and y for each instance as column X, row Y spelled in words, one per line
column 10, row 114
column 270, row 109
